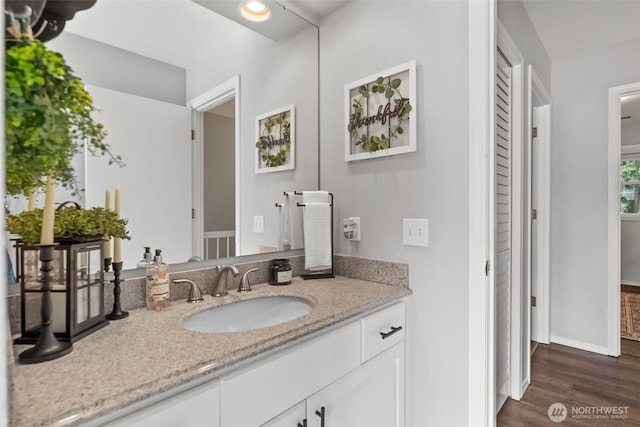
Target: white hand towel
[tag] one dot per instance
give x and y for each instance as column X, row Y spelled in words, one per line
column 295, row 222
column 315, row 197
column 317, row 236
column 291, row 232
column 285, row 226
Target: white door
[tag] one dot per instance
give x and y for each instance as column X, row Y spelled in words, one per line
column 502, row 256
column 370, row 396
column 155, row 189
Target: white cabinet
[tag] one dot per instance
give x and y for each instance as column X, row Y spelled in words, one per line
column 370, row 396
column 256, row 394
column 352, row 376
column 198, row 407
column 294, row 417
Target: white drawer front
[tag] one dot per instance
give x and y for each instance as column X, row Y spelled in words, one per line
column 382, row 330
column 255, row 395
column 199, row 407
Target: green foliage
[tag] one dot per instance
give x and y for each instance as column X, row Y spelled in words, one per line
column 70, row 223
column 266, row 143
column 390, row 88
column 630, row 195
column 47, row 118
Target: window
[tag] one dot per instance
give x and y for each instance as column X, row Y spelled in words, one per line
column 630, row 186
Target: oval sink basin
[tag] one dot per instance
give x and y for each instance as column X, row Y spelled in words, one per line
column 248, row 314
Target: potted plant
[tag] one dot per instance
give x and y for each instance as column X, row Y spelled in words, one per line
column 48, row 116
column 71, row 225
column 48, row 119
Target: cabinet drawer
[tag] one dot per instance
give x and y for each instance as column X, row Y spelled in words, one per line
column 198, row 407
column 255, row 395
column 382, row 330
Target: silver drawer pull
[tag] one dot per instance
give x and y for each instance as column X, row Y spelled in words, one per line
column 394, row 329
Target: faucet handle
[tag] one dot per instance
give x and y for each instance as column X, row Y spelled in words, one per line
column 245, row 286
column 195, row 294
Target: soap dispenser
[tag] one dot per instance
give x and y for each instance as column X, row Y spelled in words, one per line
column 157, row 283
column 147, row 258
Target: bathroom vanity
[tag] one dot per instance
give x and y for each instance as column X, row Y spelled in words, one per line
column 341, row 364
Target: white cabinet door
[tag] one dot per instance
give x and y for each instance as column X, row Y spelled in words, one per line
column 198, row 407
column 370, row 396
column 291, row 418
column 269, row 387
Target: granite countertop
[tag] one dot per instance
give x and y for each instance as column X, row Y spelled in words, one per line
column 150, row 352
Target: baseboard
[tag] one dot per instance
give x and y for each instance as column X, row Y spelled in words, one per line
column 581, row 345
column 524, row 386
column 629, row 283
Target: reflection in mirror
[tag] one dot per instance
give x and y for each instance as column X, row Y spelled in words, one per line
column 143, row 63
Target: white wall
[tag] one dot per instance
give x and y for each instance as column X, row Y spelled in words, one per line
column 432, row 183
column 630, row 133
column 272, row 75
column 103, row 65
column 579, row 188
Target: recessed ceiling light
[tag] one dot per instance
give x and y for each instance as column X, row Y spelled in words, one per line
column 255, row 11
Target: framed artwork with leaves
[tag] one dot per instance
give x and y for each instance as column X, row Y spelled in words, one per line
column 381, row 114
column 275, row 140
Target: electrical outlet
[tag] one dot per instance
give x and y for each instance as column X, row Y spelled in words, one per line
column 351, row 227
column 258, row 224
column 415, row 232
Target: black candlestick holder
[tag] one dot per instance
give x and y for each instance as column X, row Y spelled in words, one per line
column 107, row 264
column 47, row 347
column 117, row 312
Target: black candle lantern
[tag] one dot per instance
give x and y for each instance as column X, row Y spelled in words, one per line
column 77, row 290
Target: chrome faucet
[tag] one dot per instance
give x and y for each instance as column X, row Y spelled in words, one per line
column 195, row 294
column 245, row 286
column 220, row 288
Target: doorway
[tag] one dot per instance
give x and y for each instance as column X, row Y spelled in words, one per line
column 218, row 184
column 539, row 207
column 616, row 94
column 215, row 171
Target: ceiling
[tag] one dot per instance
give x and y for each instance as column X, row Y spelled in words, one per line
column 565, row 27
column 572, row 27
column 172, row 24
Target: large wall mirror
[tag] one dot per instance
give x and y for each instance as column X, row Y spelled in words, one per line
column 144, row 62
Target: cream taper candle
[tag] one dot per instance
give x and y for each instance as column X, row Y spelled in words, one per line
column 48, row 216
column 107, row 240
column 32, row 200
column 117, row 250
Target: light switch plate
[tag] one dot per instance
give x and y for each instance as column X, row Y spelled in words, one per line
column 415, row 232
column 258, row 224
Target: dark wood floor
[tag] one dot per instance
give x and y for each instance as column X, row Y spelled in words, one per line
column 580, row 380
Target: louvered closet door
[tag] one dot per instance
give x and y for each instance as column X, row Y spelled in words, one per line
column 502, row 270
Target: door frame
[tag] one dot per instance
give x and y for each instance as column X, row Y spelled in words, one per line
column 481, row 349
column 613, row 262
column 543, row 205
column 199, row 105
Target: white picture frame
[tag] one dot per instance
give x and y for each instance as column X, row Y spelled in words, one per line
column 382, row 115
column 275, row 140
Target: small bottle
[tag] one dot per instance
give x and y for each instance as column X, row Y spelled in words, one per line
column 147, row 259
column 157, row 283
